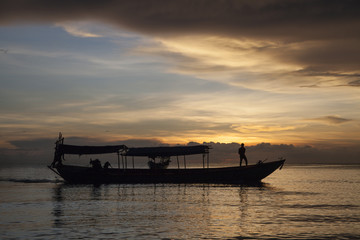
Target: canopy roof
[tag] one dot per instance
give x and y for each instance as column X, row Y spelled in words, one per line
column 80, row 150
column 167, row 151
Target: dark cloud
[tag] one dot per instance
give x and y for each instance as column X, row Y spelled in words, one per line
column 348, row 80
column 325, row 31
column 166, row 126
column 316, row 73
column 302, row 19
column 355, row 83
column 330, row 119
column 27, row 152
column 323, row 56
column 99, row 142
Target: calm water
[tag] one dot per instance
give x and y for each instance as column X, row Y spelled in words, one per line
column 298, row 202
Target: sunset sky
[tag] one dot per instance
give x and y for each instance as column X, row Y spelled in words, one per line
column 280, row 72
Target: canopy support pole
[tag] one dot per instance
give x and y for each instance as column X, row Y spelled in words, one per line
column 118, row 160
column 184, row 162
column 207, row 160
column 133, row 162
column 122, row 161
column 203, row 160
column 177, row 159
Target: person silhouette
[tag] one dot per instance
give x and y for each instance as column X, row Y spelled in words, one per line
column 242, row 150
column 95, row 163
column 107, row 165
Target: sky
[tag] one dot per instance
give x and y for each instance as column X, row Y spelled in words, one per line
column 281, row 76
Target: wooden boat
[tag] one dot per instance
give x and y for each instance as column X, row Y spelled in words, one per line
column 99, row 175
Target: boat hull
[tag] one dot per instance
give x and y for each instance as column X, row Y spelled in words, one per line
column 247, row 174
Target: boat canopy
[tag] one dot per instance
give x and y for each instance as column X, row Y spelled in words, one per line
column 154, row 152
column 62, row 149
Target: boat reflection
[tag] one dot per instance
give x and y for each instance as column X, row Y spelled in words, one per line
column 191, row 210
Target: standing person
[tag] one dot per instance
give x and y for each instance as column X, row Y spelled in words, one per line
column 242, row 150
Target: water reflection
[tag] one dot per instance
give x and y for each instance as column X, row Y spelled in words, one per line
column 95, row 192
column 57, row 200
column 300, row 203
column 161, row 210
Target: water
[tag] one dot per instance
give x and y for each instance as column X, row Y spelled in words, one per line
column 298, row 202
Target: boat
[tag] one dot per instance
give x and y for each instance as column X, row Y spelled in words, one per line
column 97, row 174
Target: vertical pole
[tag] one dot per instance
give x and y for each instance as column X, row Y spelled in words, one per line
column 126, row 162
column 184, row 162
column 203, row 160
column 177, row 159
column 207, row 160
column 122, row 160
column 133, row 161
column 118, row 160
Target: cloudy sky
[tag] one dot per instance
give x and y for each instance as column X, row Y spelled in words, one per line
column 281, row 72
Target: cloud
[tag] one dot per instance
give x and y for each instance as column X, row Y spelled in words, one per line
column 260, row 64
column 244, row 43
column 319, row 19
column 218, row 54
column 330, row 78
column 241, row 55
column 355, row 83
column 258, row 128
column 77, row 29
column 330, row 120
